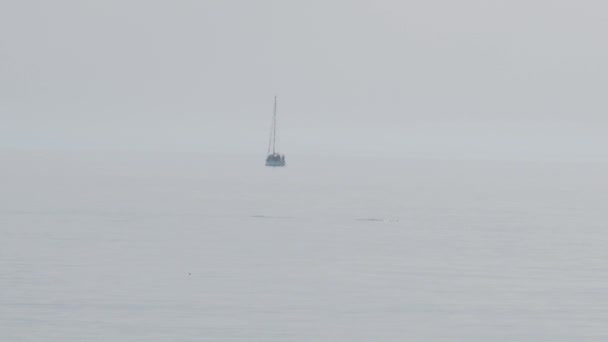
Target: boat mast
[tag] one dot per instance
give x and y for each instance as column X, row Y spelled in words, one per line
column 274, row 127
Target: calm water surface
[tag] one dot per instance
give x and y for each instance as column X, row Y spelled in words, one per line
column 196, row 248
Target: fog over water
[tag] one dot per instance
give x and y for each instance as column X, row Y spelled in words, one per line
column 445, row 173
column 189, row 247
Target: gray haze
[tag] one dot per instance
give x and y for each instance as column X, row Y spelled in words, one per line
column 445, row 175
column 462, row 78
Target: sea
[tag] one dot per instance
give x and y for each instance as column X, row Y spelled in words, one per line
column 145, row 246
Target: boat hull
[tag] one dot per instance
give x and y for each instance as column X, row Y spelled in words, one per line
column 275, row 163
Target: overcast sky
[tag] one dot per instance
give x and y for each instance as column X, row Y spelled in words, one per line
column 357, row 75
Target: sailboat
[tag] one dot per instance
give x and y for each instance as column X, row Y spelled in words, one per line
column 274, row 159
